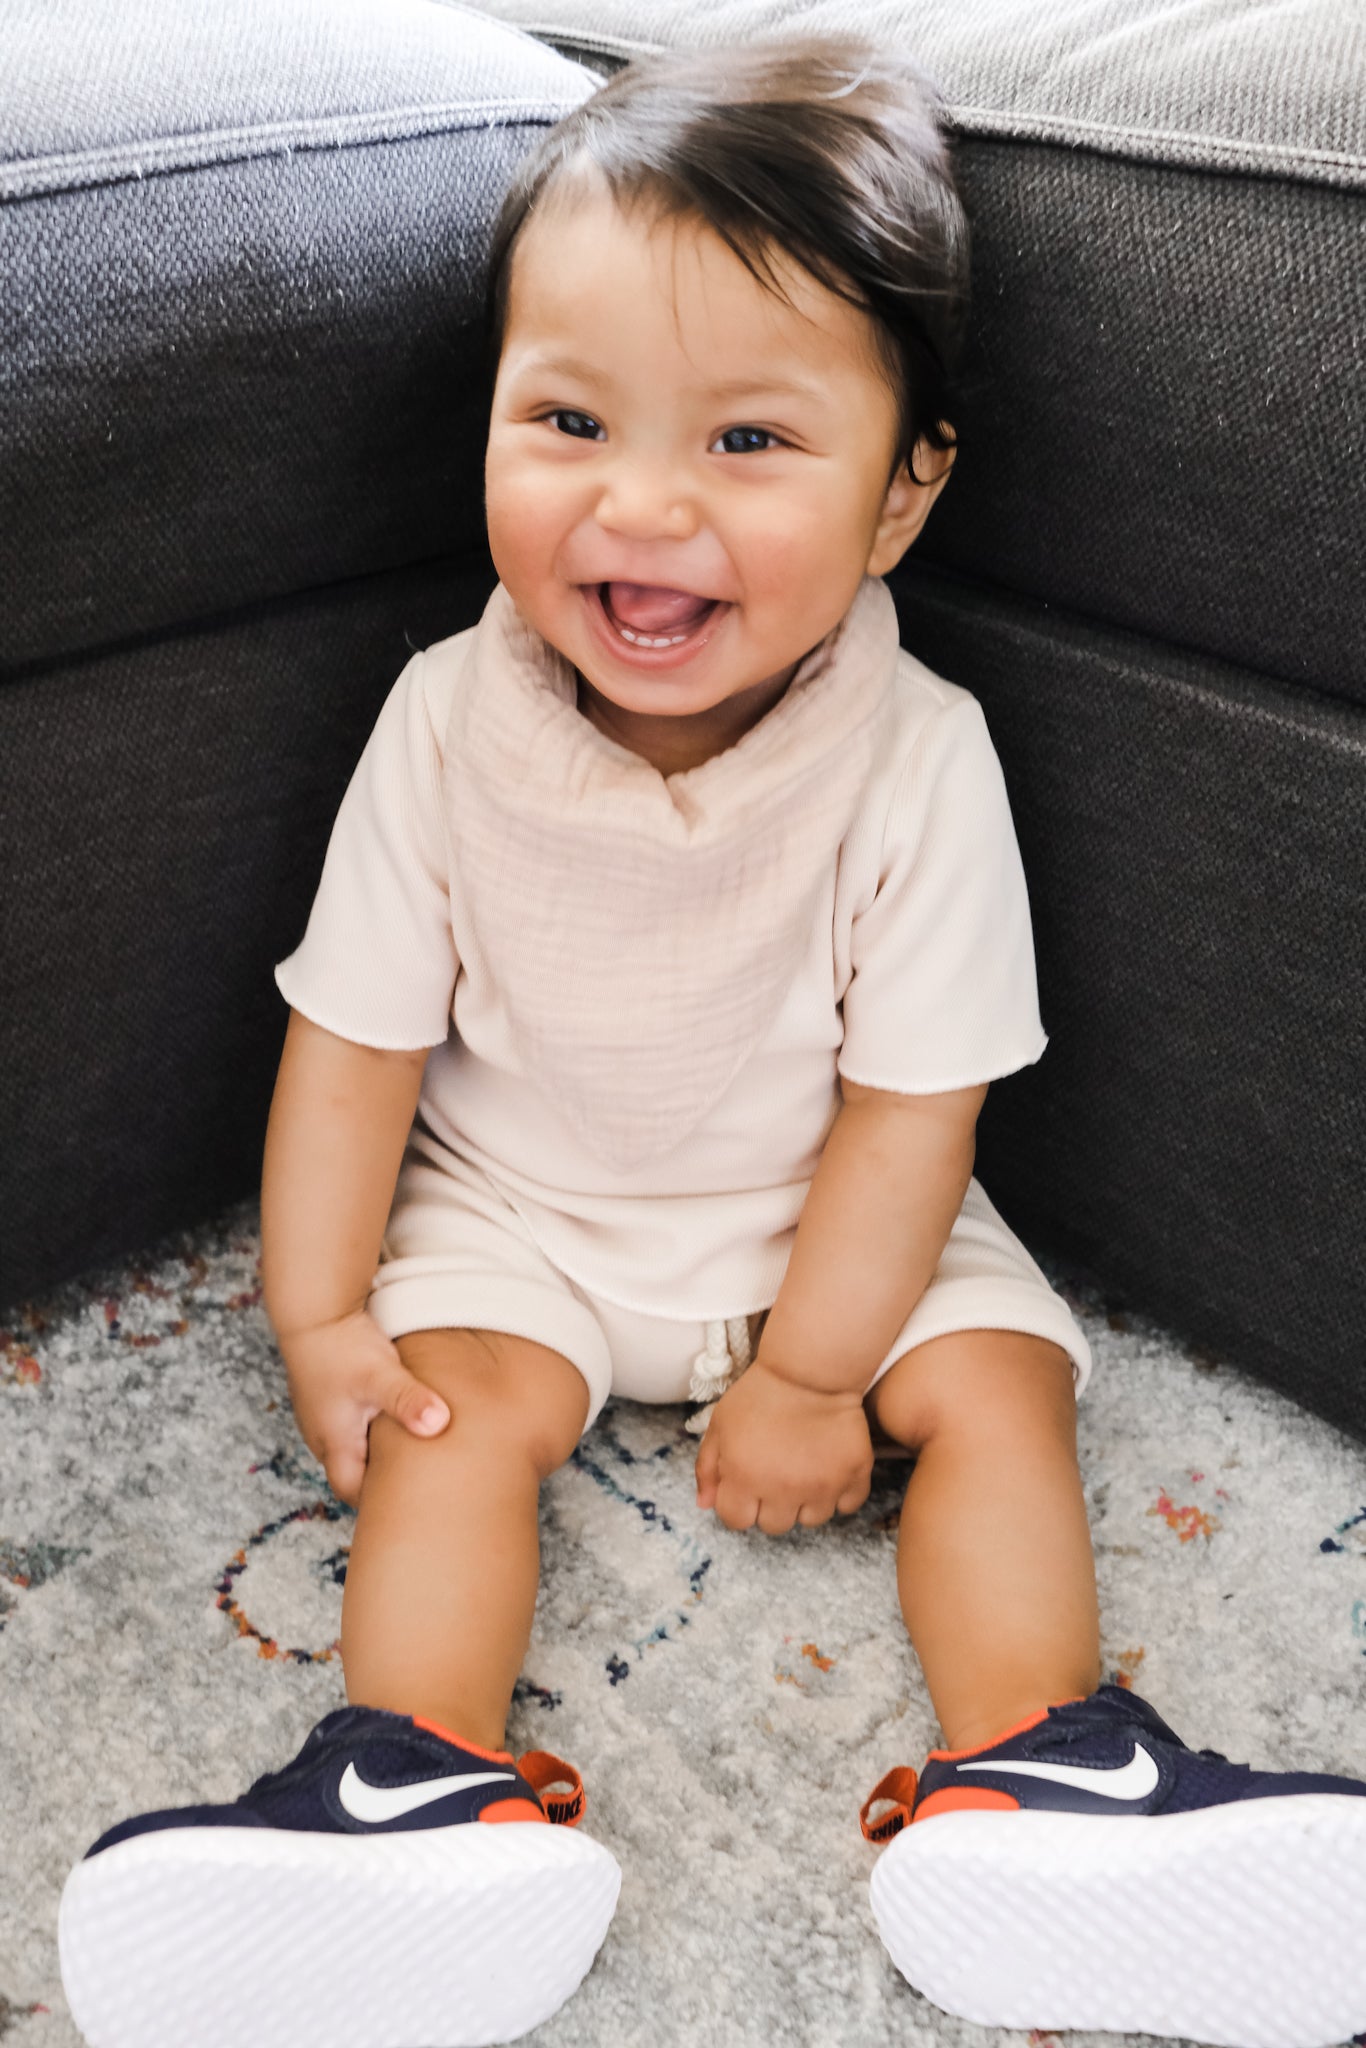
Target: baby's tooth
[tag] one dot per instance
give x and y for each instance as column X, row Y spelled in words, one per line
column 644, row 640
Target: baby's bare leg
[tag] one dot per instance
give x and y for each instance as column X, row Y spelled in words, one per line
column 441, row 1583
column 994, row 1562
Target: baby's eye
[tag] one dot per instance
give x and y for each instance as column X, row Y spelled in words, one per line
column 746, row 440
column 581, row 425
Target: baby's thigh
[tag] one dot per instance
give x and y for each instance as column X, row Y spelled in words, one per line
column 478, row 1311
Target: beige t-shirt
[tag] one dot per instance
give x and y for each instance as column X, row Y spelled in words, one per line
column 910, row 968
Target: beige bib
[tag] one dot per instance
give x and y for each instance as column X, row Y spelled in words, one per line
column 643, row 930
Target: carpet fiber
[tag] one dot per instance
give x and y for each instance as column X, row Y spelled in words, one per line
column 171, row 1566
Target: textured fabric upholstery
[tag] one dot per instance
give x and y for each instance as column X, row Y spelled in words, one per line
column 170, row 804
column 1135, row 79
column 1193, row 837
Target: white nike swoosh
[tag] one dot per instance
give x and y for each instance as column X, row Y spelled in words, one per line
column 375, row 1803
column 1134, row 1780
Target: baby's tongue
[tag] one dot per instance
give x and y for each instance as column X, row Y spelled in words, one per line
column 653, row 607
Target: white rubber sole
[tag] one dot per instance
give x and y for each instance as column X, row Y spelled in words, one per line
column 243, row 1938
column 1241, row 1925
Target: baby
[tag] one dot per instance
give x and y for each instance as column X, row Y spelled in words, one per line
column 671, row 932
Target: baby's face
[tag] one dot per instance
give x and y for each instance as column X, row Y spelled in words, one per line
column 687, row 478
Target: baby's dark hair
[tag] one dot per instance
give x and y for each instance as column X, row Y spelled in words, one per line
column 826, row 149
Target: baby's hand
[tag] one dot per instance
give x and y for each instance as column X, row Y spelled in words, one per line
column 341, row 1376
column 776, row 1453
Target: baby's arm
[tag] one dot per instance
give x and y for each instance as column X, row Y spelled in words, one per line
column 789, row 1441
column 338, row 1122
column 877, row 1216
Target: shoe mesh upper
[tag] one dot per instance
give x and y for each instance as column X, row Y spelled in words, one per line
column 1102, row 1733
column 387, row 1749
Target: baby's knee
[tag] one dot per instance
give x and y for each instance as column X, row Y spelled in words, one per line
column 506, row 1393
column 978, row 1381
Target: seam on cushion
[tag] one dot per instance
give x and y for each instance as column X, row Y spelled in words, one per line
column 1221, row 152
column 120, row 163
column 584, row 39
column 1342, row 723
column 244, row 613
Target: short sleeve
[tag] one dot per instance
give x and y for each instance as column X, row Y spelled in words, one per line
column 377, row 963
column 943, row 991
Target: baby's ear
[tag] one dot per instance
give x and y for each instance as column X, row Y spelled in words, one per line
column 914, row 487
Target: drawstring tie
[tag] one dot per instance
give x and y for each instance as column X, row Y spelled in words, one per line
column 727, row 1354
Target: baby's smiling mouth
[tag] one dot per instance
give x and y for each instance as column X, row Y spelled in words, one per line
column 654, row 614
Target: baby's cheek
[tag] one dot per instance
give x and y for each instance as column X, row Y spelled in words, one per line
column 521, row 525
column 801, row 562
column 780, row 556
column 507, row 491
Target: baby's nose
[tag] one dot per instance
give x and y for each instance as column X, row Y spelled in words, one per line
column 645, row 501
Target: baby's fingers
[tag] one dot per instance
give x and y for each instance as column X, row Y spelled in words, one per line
column 706, row 1471
column 737, row 1506
column 814, row 1513
column 345, row 1468
column 776, row 1517
column 855, row 1494
column 396, row 1391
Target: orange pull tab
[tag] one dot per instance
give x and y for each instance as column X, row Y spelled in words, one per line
column 898, row 1790
column 541, row 1770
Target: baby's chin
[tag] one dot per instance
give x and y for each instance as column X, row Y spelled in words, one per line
column 673, row 729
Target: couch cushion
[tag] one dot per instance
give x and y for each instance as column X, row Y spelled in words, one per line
column 1164, row 415
column 173, row 804
column 1195, row 1134
column 1230, row 84
column 242, row 248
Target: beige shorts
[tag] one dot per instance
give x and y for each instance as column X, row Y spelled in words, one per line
column 457, row 1255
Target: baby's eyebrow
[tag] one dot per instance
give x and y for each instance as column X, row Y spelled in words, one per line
column 767, row 387
column 564, row 366
column 729, row 391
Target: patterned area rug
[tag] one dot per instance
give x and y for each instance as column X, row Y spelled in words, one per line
column 171, row 1564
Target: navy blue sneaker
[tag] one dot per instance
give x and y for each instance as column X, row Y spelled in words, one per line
column 1087, row 1869
column 358, row 1898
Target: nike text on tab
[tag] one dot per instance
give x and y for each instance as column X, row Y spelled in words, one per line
column 374, row 1804
column 1134, row 1780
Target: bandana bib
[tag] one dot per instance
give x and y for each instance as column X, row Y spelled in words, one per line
column 643, row 930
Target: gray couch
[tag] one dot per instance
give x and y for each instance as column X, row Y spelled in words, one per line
column 240, row 475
